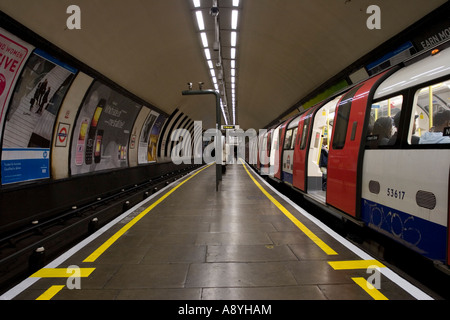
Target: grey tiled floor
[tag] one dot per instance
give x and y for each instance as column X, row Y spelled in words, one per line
column 203, row 244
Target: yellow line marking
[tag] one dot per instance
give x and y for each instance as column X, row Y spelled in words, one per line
column 355, row 264
column 50, row 293
column 100, row 250
column 370, row 289
column 322, row 245
column 61, row 273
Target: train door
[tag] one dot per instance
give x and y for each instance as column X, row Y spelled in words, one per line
column 300, row 150
column 346, row 149
column 287, row 159
column 282, row 136
column 274, row 165
column 318, row 150
column 251, row 152
column 259, row 149
column 265, row 153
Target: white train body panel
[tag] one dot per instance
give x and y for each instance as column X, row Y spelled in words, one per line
column 425, row 70
column 403, row 173
column 405, row 189
column 398, row 207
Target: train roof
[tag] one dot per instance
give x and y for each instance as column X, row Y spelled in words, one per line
column 432, row 67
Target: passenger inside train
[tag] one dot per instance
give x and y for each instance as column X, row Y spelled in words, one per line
column 433, row 100
column 414, row 139
column 382, row 129
column 323, row 163
column 441, row 122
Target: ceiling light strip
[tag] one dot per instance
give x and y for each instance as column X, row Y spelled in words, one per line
column 217, row 76
column 200, row 22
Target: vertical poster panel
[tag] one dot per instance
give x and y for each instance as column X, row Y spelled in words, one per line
column 135, row 135
column 13, row 54
column 31, row 117
column 102, row 131
column 154, row 135
column 62, row 135
column 144, row 138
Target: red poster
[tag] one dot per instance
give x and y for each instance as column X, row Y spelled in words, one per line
column 12, row 57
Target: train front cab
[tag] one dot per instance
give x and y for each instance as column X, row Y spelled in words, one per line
column 405, row 176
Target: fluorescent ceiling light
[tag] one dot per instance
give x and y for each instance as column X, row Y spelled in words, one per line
column 233, row 64
column 207, row 54
column 204, row 40
column 200, row 22
column 236, row 3
column 233, row 72
column 197, row 3
column 213, row 73
column 233, row 53
column 233, row 38
column 210, row 64
column 234, row 19
column 233, row 80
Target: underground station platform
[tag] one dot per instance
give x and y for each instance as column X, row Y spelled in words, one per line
column 190, row 242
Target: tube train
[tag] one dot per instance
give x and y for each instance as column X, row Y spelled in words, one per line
column 376, row 153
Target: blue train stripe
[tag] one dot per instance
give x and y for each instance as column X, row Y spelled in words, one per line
column 287, row 177
column 423, row 236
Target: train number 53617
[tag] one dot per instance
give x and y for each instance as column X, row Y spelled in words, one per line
column 394, row 193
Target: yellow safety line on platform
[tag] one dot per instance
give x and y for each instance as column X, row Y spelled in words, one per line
column 369, row 288
column 355, row 264
column 322, row 245
column 61, row 273
column 97, row 253
column 50, row 293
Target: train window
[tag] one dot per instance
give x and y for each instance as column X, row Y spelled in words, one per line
column 287, row 140
column 384, row 122
column 294, row 136
column 277, row 145
column 265, row 144
column 435, row 129
column 305, row 132
column 342, row 118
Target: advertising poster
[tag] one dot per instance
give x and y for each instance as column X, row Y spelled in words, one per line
column 154, row 135
column 145, row 137
column 31, row 116
column 13, row 54
column 102, row 131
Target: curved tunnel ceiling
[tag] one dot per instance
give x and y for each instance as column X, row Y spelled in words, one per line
column 286, row 48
